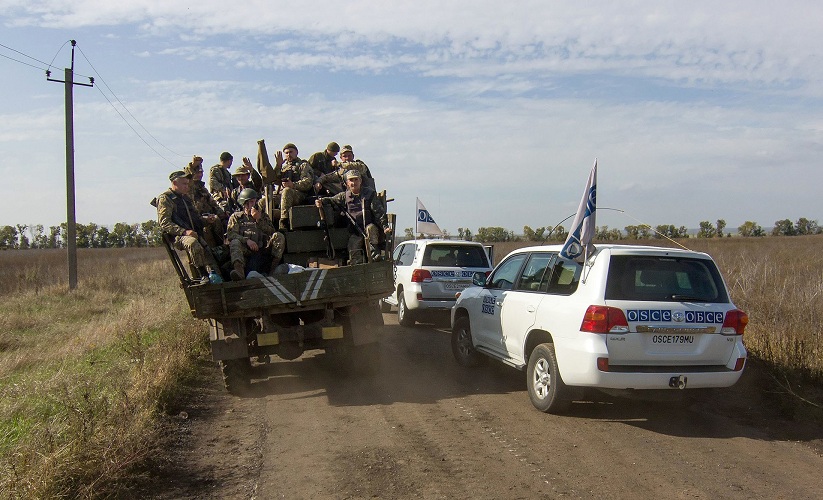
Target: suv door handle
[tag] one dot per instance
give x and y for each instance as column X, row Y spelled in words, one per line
column 530, row 309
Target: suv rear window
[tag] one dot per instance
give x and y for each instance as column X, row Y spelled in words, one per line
column 454, row 256
column 672, row 279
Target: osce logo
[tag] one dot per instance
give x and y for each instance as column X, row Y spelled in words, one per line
column 666, row 315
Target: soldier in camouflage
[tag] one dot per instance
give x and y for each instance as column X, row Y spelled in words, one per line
column 254, row 244
column 324, row 162
column 365, row 211
column 213, row 216
column 221, row 181
column 334, row 182
column 178, row 217
column 293, row 184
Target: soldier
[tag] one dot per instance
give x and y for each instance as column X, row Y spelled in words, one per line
column 213, row 215
column 334, row 182
column 293, row 184
column 325, row 162
column 365, row 213
column 220, row 180
column 178, row 217
column 253, row 242
column 242, row 175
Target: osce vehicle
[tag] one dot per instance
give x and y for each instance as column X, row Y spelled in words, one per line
column 429, row 273
column 630, row 317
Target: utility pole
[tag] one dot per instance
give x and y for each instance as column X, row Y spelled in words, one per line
column 71, row 222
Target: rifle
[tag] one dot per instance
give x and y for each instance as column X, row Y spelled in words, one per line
column 326, row 234
column 361, row 232
column 267, row 173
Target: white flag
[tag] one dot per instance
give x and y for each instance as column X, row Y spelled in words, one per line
column 425, row 223
column 579, row 241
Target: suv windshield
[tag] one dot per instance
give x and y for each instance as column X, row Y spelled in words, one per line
column 454, row 256
column 674, row 279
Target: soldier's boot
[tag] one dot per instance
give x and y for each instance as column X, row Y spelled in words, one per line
column 239, row 272
column 284, row 224
column 376, row 255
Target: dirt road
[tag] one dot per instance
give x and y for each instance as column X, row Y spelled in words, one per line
column 426, row 428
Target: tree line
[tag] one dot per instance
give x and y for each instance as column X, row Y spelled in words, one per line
column 122, row 234
column 147, row 234
column 707, row 229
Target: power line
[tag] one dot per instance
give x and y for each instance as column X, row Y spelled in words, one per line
column 21, row 62
column 25, row 55
column 127, row 109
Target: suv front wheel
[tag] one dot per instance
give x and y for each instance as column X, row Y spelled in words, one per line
column 547, row 391
column 462, row 345
column 404, row 316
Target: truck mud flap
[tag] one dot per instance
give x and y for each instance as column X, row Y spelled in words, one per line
column 228, row 339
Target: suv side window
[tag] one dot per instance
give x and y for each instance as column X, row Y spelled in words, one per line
column 506, row 274
column 533, row 272
column 404, row 254
column 563, row 278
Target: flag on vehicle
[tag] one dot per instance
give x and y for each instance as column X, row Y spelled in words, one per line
column 579, row 242
column 425, row 223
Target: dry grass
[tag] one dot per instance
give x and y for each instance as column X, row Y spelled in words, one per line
column 84, row 375
column 778, row 281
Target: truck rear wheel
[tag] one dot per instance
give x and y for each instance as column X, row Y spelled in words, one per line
column 236, row 375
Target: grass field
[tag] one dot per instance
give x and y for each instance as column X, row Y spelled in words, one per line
column 87, row 377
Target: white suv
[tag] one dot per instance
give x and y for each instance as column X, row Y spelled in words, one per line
column 632, row 317
column 429, row 273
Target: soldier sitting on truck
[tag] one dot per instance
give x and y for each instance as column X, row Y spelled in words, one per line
column 254, row 243
column 364, row 212
column 334, row 182
column 178, row 217
column 213, row 215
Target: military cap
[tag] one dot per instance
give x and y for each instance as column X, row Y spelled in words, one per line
column 242, row 170
column 333, row 147
column 225, row 155
column 178, row 174
column 290, row 146
column 351, row 174
column 346, row 148
column 197, row 159
column 191, row 168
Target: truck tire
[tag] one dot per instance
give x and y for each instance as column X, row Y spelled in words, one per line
column 236, row 375
column 462, row 345
column 404, row 316
column 547, row 391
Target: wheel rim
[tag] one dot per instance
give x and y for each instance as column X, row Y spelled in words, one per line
column 401, row 309
column 542, row 379
column 464, row 343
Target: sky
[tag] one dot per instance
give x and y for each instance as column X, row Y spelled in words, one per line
column 491, row 113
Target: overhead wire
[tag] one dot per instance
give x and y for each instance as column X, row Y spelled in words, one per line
column 100, row 77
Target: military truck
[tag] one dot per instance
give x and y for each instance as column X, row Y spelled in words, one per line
column 320, row 303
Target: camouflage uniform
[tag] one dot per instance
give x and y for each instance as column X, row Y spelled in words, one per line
column 220, row 179
column 300, row 174
column 204, row 203
column 176, row 214
column 334, row 182
column 321, row 163
column 367, row 212
column 242, row 227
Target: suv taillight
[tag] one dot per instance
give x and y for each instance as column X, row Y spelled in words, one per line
column 735, row 322
column 420, row 276
column 604, row 319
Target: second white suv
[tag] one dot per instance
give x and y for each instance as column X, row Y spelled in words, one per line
column 428, row 273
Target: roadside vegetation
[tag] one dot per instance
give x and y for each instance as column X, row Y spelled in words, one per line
column 88, row 378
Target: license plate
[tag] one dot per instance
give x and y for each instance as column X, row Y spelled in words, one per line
column 455, row 286
column 673, row 339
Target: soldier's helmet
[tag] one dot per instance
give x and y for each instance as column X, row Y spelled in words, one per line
column 246, row 195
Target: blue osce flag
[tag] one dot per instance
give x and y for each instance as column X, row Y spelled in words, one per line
column 579, row 242
column 425, row 222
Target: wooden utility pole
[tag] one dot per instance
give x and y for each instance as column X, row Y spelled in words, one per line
column 71, row 222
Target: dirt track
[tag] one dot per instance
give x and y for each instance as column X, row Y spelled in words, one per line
column 426, row 428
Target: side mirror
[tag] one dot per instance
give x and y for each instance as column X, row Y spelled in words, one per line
column 479, row 279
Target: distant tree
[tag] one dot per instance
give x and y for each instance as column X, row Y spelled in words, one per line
column 783, row 228
column 467, row 234
column 707, row 230
column 806, row 226
column 23, row 240
column 101, row 237
column 530, row 234
column 8, row 238
column 720, row 226
column 54, row 237
column 559, row 233
column 151, row 233
column 39, row 239
column 493, row 234
column 603, row 233
column 408, row 233
column 750, row 229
